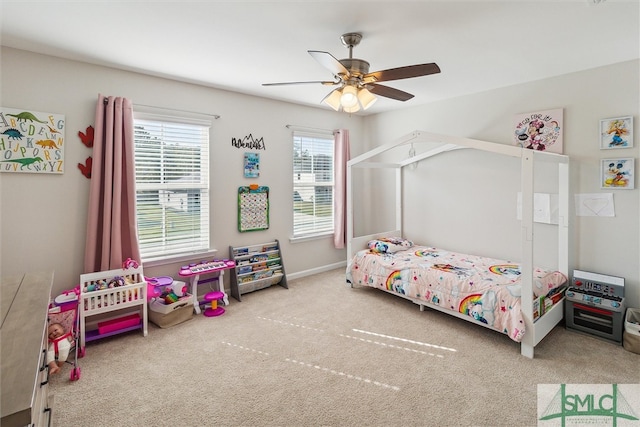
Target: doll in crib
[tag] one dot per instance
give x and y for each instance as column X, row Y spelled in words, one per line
column 59, row 346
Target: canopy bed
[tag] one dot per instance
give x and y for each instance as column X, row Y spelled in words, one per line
column 472, row 288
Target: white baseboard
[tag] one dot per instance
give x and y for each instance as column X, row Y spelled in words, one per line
column 305, row 273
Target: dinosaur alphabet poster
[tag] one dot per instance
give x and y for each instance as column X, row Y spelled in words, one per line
column 31, row 141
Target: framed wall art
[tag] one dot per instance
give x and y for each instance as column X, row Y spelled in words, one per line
column 616, row 132
column 31, row 141
column 617, row 173
column 540, row 130
column 251, row 165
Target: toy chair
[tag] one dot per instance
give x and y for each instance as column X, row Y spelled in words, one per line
column 212, row 298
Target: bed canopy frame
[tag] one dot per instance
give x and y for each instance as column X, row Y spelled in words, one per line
column 535, row 331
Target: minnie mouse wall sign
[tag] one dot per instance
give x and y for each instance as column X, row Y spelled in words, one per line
column 540, row 131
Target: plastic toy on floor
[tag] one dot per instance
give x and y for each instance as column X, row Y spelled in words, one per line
column 212, row 298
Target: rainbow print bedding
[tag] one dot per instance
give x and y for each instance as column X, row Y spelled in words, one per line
column 487, row 290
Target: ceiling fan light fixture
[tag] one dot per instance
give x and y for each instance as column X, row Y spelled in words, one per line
column 353, row 109
column 366, row 98
column 333, row 99
column 349, row 98
column 353, row 77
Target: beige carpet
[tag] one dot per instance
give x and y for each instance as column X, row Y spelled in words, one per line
column 323, row 354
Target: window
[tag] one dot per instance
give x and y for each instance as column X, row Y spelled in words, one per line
column 312, row 184
column 172, row 186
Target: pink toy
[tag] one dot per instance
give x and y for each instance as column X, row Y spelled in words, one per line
column 212, row 298
column 67, row 299
column 64, row 311
column 130, row 263
column 193, row 271
column 152, row 291
column 206, row 267
column 156, row 284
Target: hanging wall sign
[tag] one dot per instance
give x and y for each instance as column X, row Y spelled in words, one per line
column 249, row 143
column 541, row 131
column 253, row 208
column 31, row 141
column 251, row 165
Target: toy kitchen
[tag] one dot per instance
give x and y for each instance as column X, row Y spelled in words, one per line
column 594, row 304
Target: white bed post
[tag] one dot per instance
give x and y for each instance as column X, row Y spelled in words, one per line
column 349, row 213
column 563, row 218
column 526, row 301
column 398, row 213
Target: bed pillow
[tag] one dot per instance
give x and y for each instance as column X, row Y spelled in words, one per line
column 389, row 245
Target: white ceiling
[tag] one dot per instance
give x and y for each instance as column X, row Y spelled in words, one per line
column 238, row 45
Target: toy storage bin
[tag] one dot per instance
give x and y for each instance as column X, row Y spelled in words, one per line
column 158, row 306
column 631, row 342
column 632, row 321
column 177, row 316
column 167, row 315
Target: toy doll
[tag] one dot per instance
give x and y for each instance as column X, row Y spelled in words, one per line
column 59, row 346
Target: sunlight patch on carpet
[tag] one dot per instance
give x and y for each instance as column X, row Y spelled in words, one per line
column 439, row 347
column 290, row 324
column 294, row 318
column 345, row 375
column 245, row 348
column 391, row 346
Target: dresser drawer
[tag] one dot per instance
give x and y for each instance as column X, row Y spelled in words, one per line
column 23, row 358
column 40, row 410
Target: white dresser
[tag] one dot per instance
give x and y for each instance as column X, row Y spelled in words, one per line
column 24, row 302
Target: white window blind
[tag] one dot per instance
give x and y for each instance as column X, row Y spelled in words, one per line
column 172, row 186
column 313, row 184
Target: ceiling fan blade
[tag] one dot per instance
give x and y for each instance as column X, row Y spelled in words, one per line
column 325, row 83
column 329, row 62
column 401, row 73
column 389, row 92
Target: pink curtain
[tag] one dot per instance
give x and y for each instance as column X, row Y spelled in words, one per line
column 341, row 155
column 112, row 234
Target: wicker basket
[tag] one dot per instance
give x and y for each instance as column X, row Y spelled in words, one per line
column 175, row 317
column 631, row 342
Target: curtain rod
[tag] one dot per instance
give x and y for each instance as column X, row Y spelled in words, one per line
column 105, row 101
column 296, row 127
column 215, row 116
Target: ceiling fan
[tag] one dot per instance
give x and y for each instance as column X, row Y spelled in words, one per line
column 357, row 85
